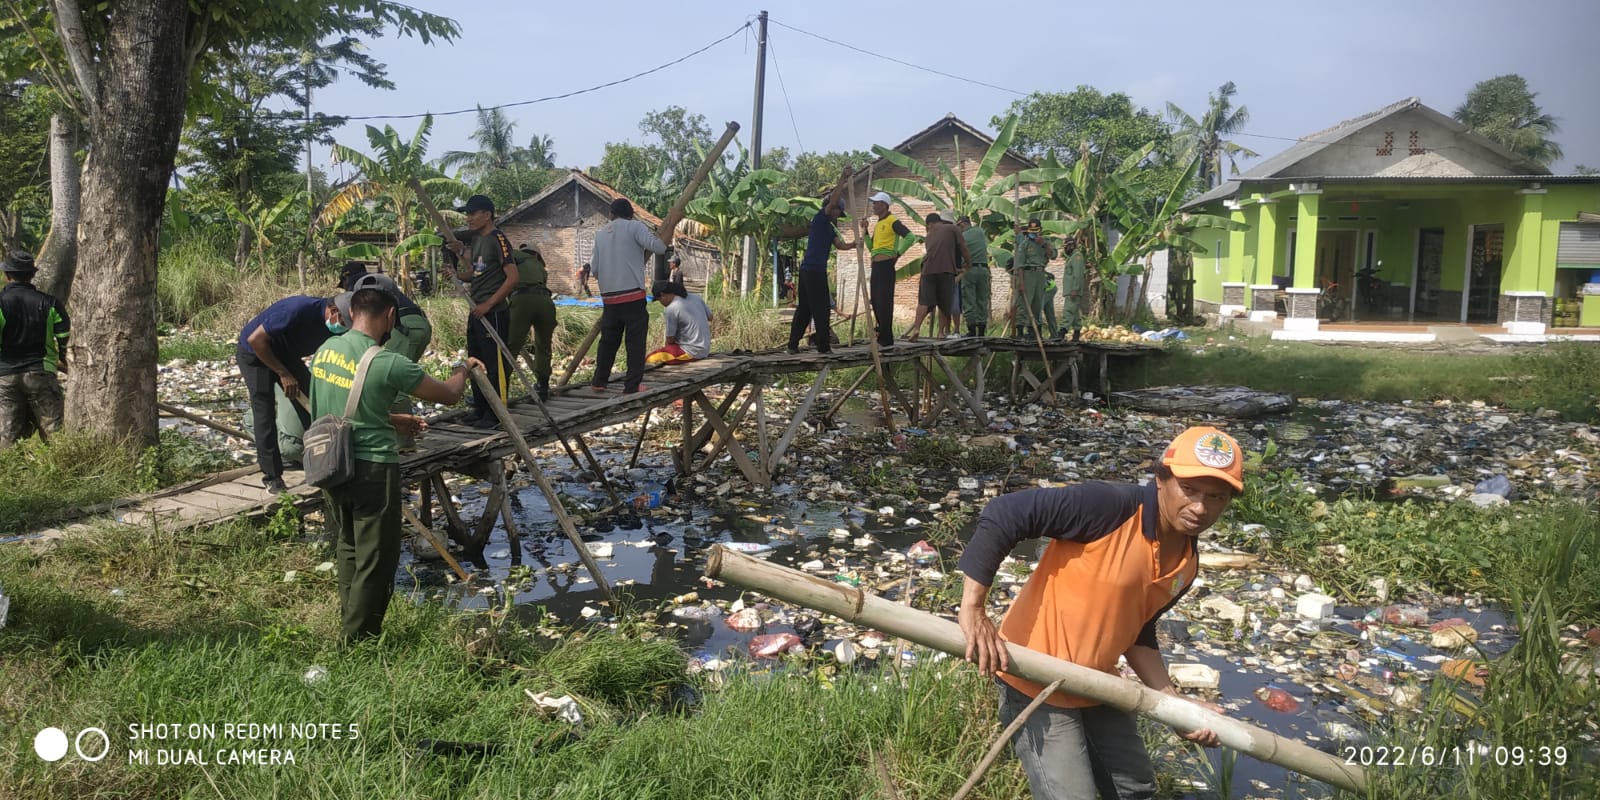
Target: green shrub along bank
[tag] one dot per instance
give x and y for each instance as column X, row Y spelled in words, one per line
column 1563, row 376
column 46, row 481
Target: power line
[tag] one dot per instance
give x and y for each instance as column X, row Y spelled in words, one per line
column 896, row 60
column 547, row 98
column 779, row 70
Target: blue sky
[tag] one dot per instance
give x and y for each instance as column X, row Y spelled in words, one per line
column 1298, row 69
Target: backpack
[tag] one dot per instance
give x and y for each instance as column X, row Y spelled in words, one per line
column 330, row 453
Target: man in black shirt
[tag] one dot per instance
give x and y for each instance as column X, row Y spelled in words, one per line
column 33, row 342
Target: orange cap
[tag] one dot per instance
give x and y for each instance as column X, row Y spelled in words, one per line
column 1205, row 452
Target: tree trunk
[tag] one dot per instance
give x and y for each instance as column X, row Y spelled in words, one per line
column 142, row 84
column 58, row 256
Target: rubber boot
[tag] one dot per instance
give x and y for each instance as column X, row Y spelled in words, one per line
column 1077, row 334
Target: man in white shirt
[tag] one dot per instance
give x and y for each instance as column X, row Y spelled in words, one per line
column 688, row 322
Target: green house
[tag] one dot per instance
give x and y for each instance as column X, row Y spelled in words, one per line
column 1403, row 215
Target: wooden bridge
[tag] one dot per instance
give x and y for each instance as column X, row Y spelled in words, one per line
column 940, row 384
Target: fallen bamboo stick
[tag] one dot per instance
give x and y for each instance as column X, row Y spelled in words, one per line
column 856, row 606
column 427, row 533
column 217, row 426
column 1005, row 736
column 560, row 511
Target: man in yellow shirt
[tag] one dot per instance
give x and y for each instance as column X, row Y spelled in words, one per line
column 889, row 239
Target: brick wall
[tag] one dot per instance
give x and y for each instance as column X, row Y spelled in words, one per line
column 564, row 237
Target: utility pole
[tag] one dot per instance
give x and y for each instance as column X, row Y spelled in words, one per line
column 306, row 62
column 752, row 259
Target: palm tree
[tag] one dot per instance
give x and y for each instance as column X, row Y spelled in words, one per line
column 496, row 149
column 1205, row 137
column 1503, row 109
column 385, row 179
column 541, row 152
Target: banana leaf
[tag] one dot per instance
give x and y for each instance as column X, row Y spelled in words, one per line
column 906, row 163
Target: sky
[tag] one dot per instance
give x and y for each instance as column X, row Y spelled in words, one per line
column 1298, row 70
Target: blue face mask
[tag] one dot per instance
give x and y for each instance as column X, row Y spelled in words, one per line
column 335, row 328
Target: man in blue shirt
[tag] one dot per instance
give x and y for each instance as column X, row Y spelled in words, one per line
column 272, row 349
column 814, row 305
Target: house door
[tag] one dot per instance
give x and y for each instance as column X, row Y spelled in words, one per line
column 1429, row 273
column 1336, row 271
column 1483, row 273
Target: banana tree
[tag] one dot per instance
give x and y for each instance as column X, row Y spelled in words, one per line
column 1089, row 204
column 261, row 221
column 985, row 197
column 715, row 207
column 415, row 245
column 385, row 178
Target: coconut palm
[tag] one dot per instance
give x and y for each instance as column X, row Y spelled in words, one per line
column 541, row 152
column 1206, row 137
column 1503, row 109
column 496, row 148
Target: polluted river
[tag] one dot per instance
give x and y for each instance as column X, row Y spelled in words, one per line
column 889, row 513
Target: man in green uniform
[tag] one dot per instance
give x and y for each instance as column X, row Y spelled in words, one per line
column 364, row 513
column 492, row 271
column 975, row 283
column 1033, row 252
column 1049, row 320
column 1073, row 284
column 33, row 342
column 410, row 337
column 532, row 310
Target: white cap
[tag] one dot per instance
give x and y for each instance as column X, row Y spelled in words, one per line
column 882, row 197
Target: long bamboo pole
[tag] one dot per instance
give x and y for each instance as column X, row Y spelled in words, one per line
column 550, row 496
column 856, row 606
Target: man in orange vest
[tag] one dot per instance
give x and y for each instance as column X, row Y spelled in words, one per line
column 1119, row 556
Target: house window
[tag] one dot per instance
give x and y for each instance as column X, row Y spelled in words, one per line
column 1289, row 260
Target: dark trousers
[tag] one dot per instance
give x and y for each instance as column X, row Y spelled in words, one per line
column 814, row 307
column 364, row 519
column 259, row 380
column 882, row 286
column 619, row 321
column 483, row 348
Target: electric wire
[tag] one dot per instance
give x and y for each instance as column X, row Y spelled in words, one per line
column 785, row 90
column 940, row 73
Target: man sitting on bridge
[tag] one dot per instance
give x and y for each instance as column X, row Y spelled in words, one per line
column 688, row 323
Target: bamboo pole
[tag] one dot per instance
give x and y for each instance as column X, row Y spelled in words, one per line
column 427, row 533
column 1000, row 741
column 861, row 246
column 560, row 511
column 216, row 426
column 856, row 606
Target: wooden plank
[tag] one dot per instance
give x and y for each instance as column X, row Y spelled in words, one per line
column 733, row 424
column 739, row 457
column 960, row 388
column 799, row 416
column 839, row 403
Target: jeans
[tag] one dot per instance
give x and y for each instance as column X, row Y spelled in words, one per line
column 619, row 320
column 483, row 348
column 1069, row 753
column 882, row 287
column 814, row 307
column 259, row 380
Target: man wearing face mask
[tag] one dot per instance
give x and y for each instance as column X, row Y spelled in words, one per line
column 364, row 512
column 271, row 350
column 1033, row 253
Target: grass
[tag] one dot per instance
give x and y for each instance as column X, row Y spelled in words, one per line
column 48, row 481
column 1564, row 377
column 208, row 631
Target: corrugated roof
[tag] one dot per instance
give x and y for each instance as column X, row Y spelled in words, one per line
column 1314, row 143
